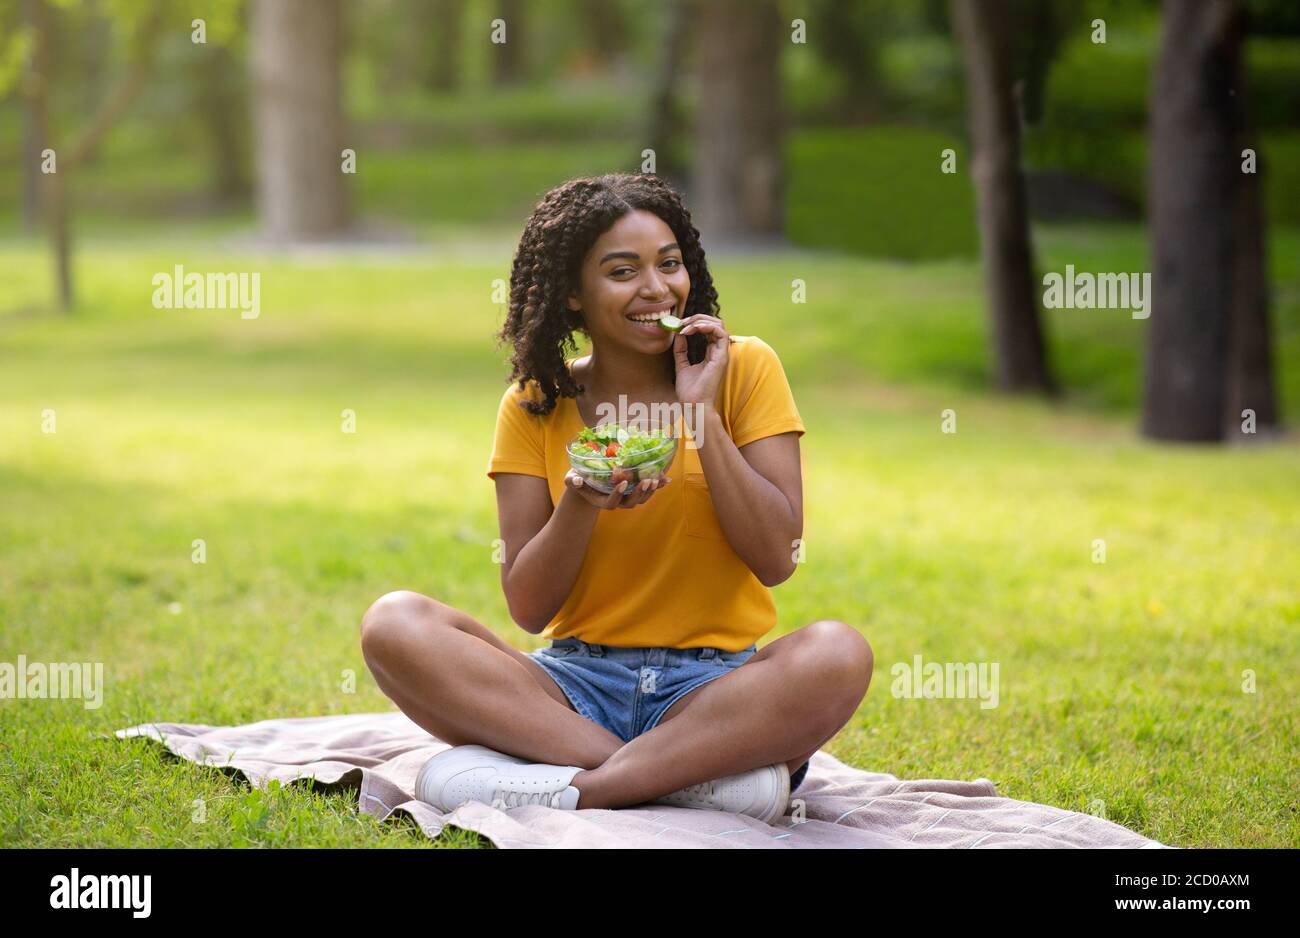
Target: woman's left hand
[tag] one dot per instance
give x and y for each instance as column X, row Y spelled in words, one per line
column 699, row 383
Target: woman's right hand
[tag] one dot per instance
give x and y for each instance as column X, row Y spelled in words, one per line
column 623, row 496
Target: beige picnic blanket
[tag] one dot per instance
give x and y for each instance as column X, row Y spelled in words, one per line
column 836, row 806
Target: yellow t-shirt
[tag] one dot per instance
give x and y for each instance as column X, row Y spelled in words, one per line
column 663, row 573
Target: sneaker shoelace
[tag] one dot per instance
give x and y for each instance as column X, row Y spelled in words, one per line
column 703, row 789
column 517, row 799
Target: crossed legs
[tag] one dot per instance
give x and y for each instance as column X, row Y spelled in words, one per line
column 457, row 679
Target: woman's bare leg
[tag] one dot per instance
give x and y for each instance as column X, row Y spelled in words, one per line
column 452, row 676
column 779, row 706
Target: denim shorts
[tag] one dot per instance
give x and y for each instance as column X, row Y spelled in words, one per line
column 628, row 690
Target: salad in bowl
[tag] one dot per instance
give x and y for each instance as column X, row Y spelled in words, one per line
column 610, row 453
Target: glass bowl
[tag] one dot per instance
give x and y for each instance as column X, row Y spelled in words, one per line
column 632, row 451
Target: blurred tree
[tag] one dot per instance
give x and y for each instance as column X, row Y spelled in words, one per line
column 847, row 33
column 30, row 208
column 442, row 71
column 1273, row 18
column 410, row 44
column 509, row 59
column 221, row 105
column 1250, row 340
column 86, row 50
column 934, row 15
column 20, row 30
column 739, row 124
column 1250, row 344
column 1036, row 41
column 606, row 30
column 390, row 38
column 1193, row 162
column 666, row 123
column 139, row 24
column 296, row 49
column 985, row 30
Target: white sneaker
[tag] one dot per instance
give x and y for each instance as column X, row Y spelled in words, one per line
column 762, row 793
column 477, row 773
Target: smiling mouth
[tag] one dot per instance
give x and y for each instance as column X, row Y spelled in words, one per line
column 652, row 316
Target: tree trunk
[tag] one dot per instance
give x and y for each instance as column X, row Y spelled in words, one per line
column 33, row 142
column 1250, row 341
column 296, row 51
column 1192, row 189
column 221, row 105
column 739, row 125
column 665, row 132
column 1250, row 364
column 58, row 224
column 54, row 190
column 606, row 31
column 853, row 52
column 508, row 59
column 443, row 71
column 1019, row 348
column 89, row 49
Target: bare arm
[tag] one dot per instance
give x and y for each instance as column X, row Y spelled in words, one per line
column 757, row 492
column 545, row 545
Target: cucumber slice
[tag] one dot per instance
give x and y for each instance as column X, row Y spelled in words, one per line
column 670, row 324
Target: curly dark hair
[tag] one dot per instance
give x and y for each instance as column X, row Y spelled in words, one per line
column 548, row 263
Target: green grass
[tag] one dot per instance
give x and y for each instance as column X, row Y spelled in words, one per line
column 1121, row 682
column 880, row 192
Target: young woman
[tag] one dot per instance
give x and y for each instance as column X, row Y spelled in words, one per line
column 653, row 688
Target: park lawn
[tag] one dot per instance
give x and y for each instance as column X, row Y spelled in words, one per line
column 1121, row 684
